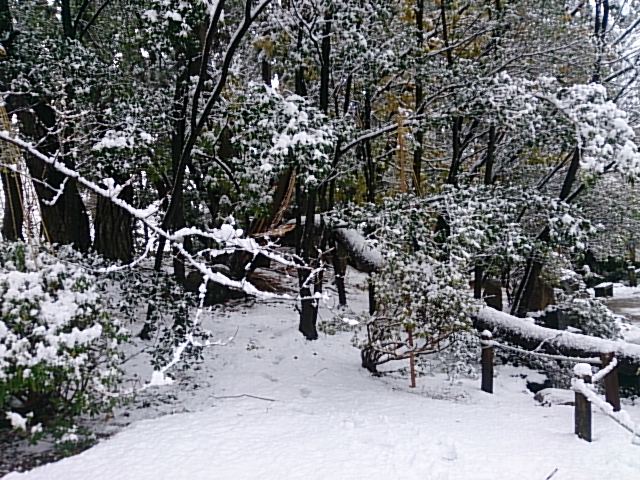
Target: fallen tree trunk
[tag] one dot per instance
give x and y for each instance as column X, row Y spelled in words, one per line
column 362, row 256
column 529, row 336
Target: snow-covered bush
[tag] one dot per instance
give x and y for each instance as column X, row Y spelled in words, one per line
column 420, row 295
column 422, row 288
column 459, row 359
column 58, row 349
column 590, row 315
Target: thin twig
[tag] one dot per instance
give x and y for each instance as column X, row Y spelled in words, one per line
column 247, row 395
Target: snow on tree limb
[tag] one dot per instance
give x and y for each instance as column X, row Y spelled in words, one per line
column 175, row 239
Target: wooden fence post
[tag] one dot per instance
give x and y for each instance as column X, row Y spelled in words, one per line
column 487, row 361
column 611, row 383
column 582, row 414
column 412, row 358
column 633, row 281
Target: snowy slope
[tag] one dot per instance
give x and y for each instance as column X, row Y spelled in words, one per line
column 321, row 416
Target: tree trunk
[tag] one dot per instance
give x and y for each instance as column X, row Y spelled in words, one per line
column 65, row 221
column 365, row 151
column 114, row 228
column 325, row 61
column 419, row 137
column 339, row 261
column 531, row 279
column 64, row 216
column 13, row 216
column 308, row 305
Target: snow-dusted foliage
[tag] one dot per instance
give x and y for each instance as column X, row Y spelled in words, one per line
column 583, row 114
column 271, row 132
column 58, row 349
column 430, row 246
column 458, row 360
column 168, row 311
column 421, row 290
column 590, row 315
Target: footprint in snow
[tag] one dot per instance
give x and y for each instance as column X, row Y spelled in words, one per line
column 448, row 450
column 269, row 377
column 305, row 392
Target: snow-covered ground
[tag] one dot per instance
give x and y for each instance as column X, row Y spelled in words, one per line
column 271, row 405
column 626, row 302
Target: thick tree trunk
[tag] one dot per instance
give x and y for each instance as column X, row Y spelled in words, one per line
column 308, row 305
column 13, row 216
column 419, row 94
column 114, row 228
column 64, row 216
column 64, row 221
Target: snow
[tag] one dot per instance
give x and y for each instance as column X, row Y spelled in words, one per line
column 582, row 370
column 271, row 405
column 159, row 379
column 555, row 396
column 367, row 256
column 17, row 421
column 621, row 417
column 621, row 291
column 604, row 371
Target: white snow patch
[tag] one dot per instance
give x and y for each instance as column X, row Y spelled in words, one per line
column 582, row 370
column 159, row 379
column 18, row 422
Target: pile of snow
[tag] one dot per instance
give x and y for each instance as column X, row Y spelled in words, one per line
column 555, row 396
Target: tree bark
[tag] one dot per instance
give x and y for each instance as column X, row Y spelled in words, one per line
column 64, row 216
column 13, row 216
column 11, row 182
column 419, row 94
column 308, row 305
column 114, row 228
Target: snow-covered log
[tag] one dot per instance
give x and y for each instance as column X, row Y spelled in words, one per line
column 362, row 256
column 528, row 335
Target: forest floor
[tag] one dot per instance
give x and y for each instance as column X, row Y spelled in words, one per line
column 271, row 405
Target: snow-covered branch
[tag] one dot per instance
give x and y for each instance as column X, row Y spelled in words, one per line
column 222, row 235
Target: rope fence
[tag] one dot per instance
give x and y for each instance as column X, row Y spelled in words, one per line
column 548, row 356
column 581, row 384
